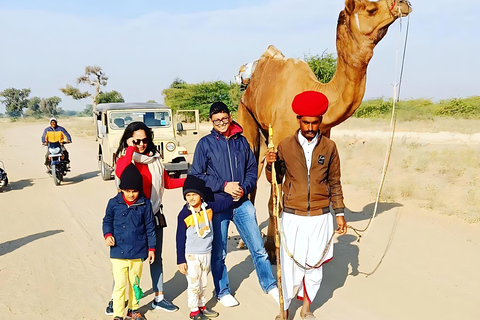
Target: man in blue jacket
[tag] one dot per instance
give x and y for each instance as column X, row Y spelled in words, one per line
column 227, row 164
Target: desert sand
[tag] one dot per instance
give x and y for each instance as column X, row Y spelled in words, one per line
column 412, row 264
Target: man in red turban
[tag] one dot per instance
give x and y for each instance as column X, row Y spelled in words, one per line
column 309, row 166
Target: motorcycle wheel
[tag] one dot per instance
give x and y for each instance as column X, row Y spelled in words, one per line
column 3, row 183
column 55, row 176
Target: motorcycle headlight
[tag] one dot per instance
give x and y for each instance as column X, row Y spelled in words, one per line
column 170, row 146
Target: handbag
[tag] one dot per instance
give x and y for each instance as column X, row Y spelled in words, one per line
column 160, row 220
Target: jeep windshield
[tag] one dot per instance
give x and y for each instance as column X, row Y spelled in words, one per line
column 153, row 119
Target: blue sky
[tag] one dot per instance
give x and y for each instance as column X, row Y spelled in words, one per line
column 143, row 45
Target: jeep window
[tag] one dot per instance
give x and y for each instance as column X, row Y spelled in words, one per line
column 153, row 119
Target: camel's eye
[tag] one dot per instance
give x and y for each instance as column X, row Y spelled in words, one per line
column 372, row 12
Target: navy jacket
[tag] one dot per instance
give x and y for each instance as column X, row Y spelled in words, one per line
column 132, row 227
column 218, row 159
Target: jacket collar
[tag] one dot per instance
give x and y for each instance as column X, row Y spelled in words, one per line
column 141, row 199
column 235, row 129
column 319, row 138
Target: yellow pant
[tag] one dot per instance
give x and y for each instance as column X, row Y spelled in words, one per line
column 123, row 268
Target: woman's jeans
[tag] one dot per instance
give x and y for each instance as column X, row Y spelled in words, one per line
column 156, row 268
column 245, row 220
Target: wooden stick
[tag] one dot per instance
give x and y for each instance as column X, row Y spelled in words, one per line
column 275, row 195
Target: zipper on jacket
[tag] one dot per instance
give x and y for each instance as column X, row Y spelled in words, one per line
column 308, row 196
column 230, row 159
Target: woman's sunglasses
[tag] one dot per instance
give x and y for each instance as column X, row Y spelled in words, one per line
column 138, row 141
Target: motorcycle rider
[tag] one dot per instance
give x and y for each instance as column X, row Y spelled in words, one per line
column 56, row 133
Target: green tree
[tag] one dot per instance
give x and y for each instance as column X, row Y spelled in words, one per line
column 323, row 66
column 110, row 97
column 87, row 112
column 151, row 101
column 49, row 106
column 34, row 107
column 15, row 101
column 185, row 96
column 95, row 77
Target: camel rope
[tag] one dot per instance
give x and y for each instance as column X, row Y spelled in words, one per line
column 396, row 94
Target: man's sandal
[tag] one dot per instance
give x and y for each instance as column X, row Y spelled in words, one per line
column 307, row 316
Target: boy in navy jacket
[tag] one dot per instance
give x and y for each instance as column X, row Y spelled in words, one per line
column 129, row 231
column 194, row 241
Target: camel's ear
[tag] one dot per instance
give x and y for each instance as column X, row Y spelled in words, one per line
column 350, row 6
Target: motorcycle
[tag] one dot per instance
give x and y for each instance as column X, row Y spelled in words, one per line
column 3, row 176
column 58, row 164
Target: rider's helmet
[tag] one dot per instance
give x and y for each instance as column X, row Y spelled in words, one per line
column 53, row 119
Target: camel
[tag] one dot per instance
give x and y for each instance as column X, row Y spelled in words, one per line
column 275, row 80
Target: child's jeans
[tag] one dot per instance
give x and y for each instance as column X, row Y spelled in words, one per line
column 198, row 267
column 123, row 268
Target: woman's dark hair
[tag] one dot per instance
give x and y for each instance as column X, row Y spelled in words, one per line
column 128, row 133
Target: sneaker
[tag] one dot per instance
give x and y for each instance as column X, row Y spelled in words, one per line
column 228, row 301
column 109, row 309
column 118, row 318
column 165, row 305
column 275, row 294
column 136, row 315
column 208, row 312
column 198, row 316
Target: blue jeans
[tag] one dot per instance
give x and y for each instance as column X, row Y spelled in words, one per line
column 245, row 220
column 156, row 268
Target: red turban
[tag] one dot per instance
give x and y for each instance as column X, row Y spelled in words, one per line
column 310, row 104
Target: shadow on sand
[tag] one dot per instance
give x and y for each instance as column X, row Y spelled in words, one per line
column 18, row 185
column 80, row 177
column 12, row 245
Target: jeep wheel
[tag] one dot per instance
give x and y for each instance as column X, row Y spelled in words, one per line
column 105, row 170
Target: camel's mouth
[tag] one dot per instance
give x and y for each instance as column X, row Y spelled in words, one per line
column 381, row 33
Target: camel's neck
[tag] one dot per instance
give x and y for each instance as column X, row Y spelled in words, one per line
column 347, row 87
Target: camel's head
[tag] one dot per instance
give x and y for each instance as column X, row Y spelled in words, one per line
column 371, row 19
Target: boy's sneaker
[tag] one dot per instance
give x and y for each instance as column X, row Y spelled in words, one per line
column 109, row 309
column 228, row 301
column 165, row 305
column 208, row 312
column 136, row 315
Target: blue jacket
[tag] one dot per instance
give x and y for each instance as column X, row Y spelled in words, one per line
column 218, row 159
column 132, row 227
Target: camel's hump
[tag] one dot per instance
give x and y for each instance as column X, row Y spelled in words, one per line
column 273, row 52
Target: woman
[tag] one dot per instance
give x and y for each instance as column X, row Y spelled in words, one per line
column 137, row 146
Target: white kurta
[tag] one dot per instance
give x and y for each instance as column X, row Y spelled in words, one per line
column 306, row 238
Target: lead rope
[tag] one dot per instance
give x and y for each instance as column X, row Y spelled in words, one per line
column 392, row 126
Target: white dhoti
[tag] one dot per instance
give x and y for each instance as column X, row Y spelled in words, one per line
column 306, row 239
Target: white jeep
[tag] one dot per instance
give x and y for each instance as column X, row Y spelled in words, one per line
column 111, row 119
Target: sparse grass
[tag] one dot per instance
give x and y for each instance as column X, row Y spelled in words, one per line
column 444, row 178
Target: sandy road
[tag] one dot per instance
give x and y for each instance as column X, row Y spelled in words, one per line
column 54, row 264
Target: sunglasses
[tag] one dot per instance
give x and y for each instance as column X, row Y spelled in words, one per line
column 143, row 141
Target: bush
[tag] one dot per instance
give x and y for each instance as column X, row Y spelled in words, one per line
column 373, row 108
